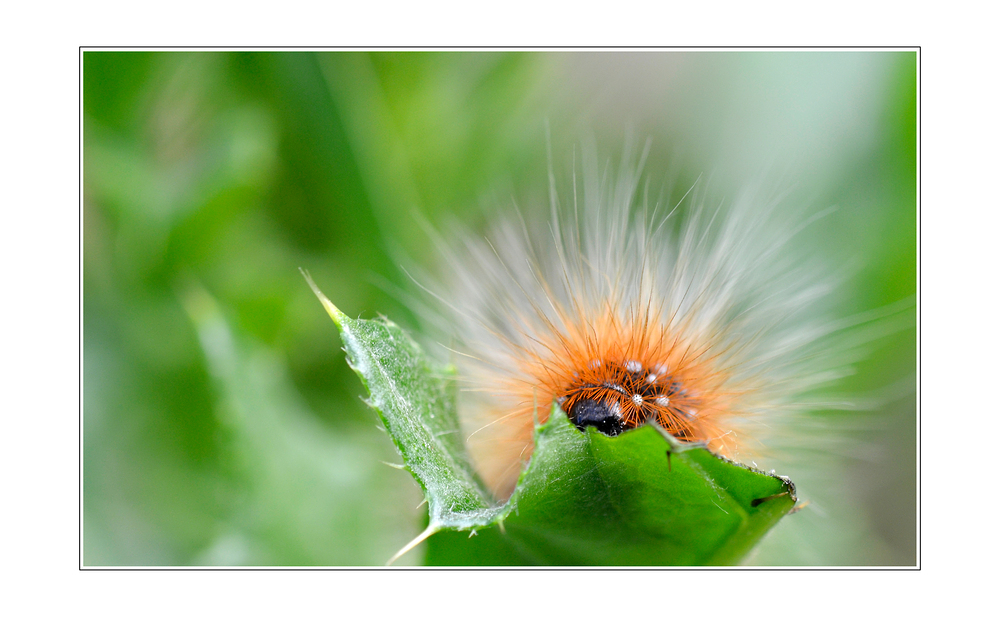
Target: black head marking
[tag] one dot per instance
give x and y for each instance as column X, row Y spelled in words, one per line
column 598, row 414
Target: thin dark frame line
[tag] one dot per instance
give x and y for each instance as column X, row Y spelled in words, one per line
column 80, row 256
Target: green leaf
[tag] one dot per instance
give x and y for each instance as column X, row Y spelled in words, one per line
column 417, row 404
column 640, row 498
column 590, row 499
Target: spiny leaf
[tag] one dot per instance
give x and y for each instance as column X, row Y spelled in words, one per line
column 640, row 498
column 417, row 404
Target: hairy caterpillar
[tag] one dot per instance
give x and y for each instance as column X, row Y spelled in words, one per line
column 623, row 311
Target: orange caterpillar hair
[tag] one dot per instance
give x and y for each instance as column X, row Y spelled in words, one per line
column 617, row 375
column 623, row 314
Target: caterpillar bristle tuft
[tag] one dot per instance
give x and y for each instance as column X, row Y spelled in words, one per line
column 685, row 314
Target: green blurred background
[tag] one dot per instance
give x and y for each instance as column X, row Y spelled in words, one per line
column 221, row 425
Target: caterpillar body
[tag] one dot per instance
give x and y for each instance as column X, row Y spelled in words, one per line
column 624, row 312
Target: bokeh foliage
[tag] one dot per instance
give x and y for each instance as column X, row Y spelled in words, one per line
column 221, row 425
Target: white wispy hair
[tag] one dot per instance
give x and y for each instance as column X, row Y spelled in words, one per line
column 720, row 283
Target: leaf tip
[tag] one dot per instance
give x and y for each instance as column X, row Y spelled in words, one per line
column 336, row 314
column 417, row 541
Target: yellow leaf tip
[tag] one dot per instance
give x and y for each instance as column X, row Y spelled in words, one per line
column 336, row 314
column 417, row 541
